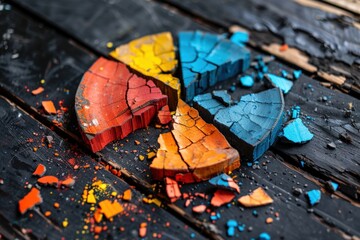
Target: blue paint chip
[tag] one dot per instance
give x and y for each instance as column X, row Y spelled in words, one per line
column 207, row 59
column 240, row 38
column 284, row 73
column 231, row 225
column 295, row 112
column 222, row 96
column 280, row 82
column 246, row 81
column 297, row 74
column 314, row 196
column 241, row 227
column 264, row 236
column 232, row 88
column 251, row 125
column 296, row 132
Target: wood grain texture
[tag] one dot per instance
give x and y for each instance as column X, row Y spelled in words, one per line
column 20, row 134
column 327, row 222
column 313, row 31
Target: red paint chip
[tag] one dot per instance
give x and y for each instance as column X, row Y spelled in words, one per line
column 40, row 170
column 199, row 208
column 48, row 180
column 222, row 197
column 30, row 200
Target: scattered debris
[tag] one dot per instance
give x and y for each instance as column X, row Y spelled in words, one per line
column 110, row 209
column 295, row 112
column 37, row 91
column 264, row 236
column 280, row 82
column 222, row 197
column 49, row 181
column 226, row 182
column 314, row 196
column 39, row 171
column 297, row 74
column 49, row 107
column 345, row 137
column 199, row 208
column 296, row 132
column 331, row 186
column 256, row 198
column 143, row 229
column 127, row 195
column 331, row 145
column 172, row 189
column 68, row 182
column 247, row 81
column 231, row 226
column 30, row 200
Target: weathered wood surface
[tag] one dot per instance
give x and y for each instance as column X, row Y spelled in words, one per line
column 125, row 153
column 317, row 157
column 20, row 134
column 330, row 39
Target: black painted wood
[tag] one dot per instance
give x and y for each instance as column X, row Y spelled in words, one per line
column 125, row 157
column 18, row 161
column 330, row 40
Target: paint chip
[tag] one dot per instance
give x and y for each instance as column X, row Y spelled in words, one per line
column 30, row 200
column 314, row 196
column 225, row 181
column 199, row 208
column 49, row 107
column 48, row 181
column 68, row 182
column 222, row 197
column 110, row 209
column 256, row 198
column 37, row 91
column 127, row 195
column 172, row 189
column 39, row 171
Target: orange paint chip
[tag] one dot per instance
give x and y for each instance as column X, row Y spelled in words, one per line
column 143, row 229
column 110, row 209
column 47, row 214
column 98, row 215
column 172, row 189
column 222, row 197
column 40, row 170
column 97, row 229
column 37, row 91
column 48, row 180
column 49, row 107
column 257, row 198
column 199, row 208
column 68, row 182
column 127, row 195
column 269, row 220
column 56, row 205
column 283, row 48
column 30, row 200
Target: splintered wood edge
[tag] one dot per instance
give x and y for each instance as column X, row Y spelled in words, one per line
column 350, row 5
column 331, row 9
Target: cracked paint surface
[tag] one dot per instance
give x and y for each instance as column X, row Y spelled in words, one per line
column 154, row 56
column 111, row 103
column 194, row 150
column 252, row 125
column 207, row 59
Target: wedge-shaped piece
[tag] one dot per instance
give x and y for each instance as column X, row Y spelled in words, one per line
column 154, row 56
column 111, row 103
column 208, row 58
column 194, row 150
column 252, row 125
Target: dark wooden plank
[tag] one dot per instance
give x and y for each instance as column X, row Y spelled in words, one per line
column 19, row 161
column 122, row 154
column 319, row 34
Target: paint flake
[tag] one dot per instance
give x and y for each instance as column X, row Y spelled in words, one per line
column 30, row 200
column 39, row 171
column 314, row 196
column 110, row 209
column 49, row 107
column 222, row 197
column 49, row 181
column 296, row 132
column 172, row 189
column 256, row 198
column 226, row 182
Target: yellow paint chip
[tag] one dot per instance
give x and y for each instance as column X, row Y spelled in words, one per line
column 91, row 197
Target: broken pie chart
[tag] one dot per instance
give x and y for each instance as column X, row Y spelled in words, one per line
column 119, row 96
